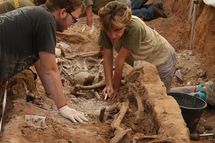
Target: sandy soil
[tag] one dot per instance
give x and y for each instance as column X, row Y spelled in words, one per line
column 79, row 52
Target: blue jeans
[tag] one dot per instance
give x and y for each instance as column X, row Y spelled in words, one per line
column 140, row 9
column 137, row 4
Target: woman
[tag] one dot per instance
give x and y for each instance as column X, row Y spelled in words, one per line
column 130, row 36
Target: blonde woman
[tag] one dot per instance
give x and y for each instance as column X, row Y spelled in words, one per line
column 130, row 36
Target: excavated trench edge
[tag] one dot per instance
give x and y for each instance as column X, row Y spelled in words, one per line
column 167, row 113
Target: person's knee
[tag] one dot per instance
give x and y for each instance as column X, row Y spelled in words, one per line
column 145, row 13
column 137, row 4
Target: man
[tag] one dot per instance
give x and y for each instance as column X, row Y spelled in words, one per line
column 35, row 44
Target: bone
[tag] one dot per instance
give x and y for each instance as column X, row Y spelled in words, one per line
column 93, row 60
column 97, row 95
column 139, row 113
column 67, row 76
column 155, row 138
column 119, row 132
column 84, row 54
column 164, row 140
column 117, row 121
column 106, row 111
column 81, row 93
column 58, row 52
column 83, row 78
column 94, row 86
column 139, row 136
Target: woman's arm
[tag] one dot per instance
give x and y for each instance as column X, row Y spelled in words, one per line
column 108, row 72
column 120, row 60
column 108, row 66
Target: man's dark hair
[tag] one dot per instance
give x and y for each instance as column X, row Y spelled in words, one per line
column 69, row 5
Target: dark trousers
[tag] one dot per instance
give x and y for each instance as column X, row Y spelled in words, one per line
column 143, row 10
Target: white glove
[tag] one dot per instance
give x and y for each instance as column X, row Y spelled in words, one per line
column 72, row 114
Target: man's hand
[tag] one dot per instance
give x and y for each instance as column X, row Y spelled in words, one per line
column 72, row 114
column 109, row 92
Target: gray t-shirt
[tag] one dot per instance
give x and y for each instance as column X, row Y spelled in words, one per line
column 23, row 34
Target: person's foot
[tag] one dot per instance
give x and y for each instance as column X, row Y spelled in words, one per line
column 160, row 13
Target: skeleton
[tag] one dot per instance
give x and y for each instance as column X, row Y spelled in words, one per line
column 139, row 136
column 119, row 131
column 154, row 138
column 133, row 88
column 139, row 113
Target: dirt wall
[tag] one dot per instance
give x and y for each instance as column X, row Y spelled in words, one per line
column 179, row 33
column 205, row 37
column 168, row 115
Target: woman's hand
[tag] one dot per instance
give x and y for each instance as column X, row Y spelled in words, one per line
column 108, row 92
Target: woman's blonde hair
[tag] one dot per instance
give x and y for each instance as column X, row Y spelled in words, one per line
column 114, row 15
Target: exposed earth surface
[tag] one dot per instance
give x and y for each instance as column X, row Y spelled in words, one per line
column 80, row 65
